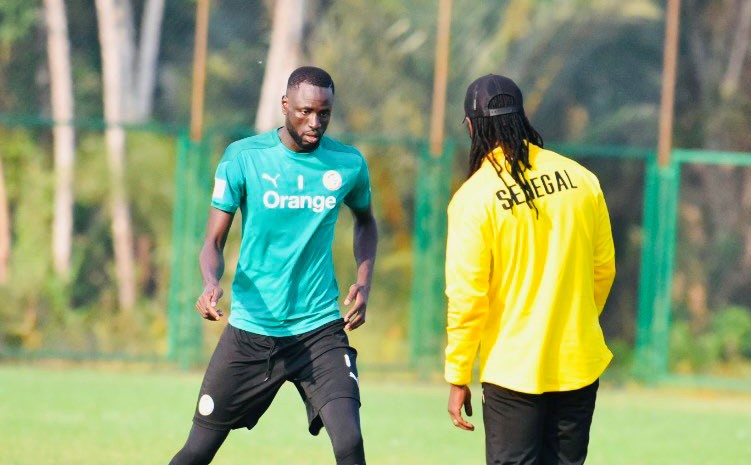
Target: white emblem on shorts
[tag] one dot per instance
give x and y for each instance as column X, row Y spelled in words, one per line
column 352, row 375
column 346, row 360
column 332, row 180
column 205, row 405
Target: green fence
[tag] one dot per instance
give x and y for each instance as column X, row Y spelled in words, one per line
column 192, row 188
column 429, row 181
column 77, row 316
column 428, row 304
column 661, row 202
column 171, row 179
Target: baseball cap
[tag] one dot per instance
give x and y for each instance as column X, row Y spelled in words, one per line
column 484, row 89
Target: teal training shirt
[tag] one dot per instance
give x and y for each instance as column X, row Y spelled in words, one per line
column 284, row 283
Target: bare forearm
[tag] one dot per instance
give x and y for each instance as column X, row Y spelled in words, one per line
column 365, row 244
column 212, row 263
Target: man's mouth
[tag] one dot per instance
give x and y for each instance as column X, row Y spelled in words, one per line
column 314, row 137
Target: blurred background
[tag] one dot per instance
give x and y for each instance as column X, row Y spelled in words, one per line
column 104, row 187
column 114, row 113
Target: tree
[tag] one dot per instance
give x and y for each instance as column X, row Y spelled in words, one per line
column 128, row 94
column 285, row 54
column 112, row 29
column 148, row 58
column 138, row 61
column 61, row 90
column 712, row 113
column 4, row 228
column 16, row 22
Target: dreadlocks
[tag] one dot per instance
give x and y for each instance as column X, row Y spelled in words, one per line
column 512, row 133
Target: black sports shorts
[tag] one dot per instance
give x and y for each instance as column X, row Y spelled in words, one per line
column 247, row 370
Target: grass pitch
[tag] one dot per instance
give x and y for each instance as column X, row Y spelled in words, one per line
column 87, row 416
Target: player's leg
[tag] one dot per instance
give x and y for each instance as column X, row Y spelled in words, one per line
column 513, row 425
column 205, row 439
column 200, row 447
column 325, row 373
column 567, row 426
column 239, row 385
column 341, row 418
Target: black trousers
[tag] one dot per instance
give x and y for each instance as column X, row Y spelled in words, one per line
column 551, row 428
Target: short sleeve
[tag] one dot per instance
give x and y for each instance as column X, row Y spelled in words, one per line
column 359, row 197
column 229, row 183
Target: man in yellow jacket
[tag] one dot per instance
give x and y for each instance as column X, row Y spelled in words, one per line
column 529, row 264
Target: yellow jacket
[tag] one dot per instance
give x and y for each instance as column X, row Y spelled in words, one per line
column 528, row 290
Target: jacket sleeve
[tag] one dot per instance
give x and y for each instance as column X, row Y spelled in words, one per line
column 468, row 261
column 604, row 254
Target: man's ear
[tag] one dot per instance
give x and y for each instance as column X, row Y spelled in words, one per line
column 469, row 124
column 285, row 105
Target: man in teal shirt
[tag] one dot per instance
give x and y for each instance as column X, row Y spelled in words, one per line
column 285, row 322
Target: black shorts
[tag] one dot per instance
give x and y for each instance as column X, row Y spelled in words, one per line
column 247, row 370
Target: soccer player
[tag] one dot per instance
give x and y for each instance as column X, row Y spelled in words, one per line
column 529, row 265
column 285, row 322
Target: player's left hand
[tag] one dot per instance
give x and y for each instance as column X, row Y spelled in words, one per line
column 358, row 297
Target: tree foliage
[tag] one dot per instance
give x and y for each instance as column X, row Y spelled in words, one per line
column 590, row 71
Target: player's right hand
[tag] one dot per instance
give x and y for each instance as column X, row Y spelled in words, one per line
column 206, row 303
column 460, row 396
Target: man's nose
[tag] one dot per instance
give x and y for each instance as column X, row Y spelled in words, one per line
column 314, row 121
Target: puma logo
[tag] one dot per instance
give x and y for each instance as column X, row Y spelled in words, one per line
column 270, row 179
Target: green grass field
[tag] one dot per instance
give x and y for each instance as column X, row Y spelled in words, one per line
column 106, row 416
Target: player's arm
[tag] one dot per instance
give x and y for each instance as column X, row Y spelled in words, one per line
column 468, row 258
column 365, row 243
column 604, row 255
column 211, row 261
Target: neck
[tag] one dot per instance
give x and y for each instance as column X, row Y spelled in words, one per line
column 288, row 140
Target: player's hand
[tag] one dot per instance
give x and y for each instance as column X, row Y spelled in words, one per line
column 358, row 297
column 206, row 303
column 460, row 396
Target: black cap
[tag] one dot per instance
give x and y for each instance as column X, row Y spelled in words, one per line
column 484, row 89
